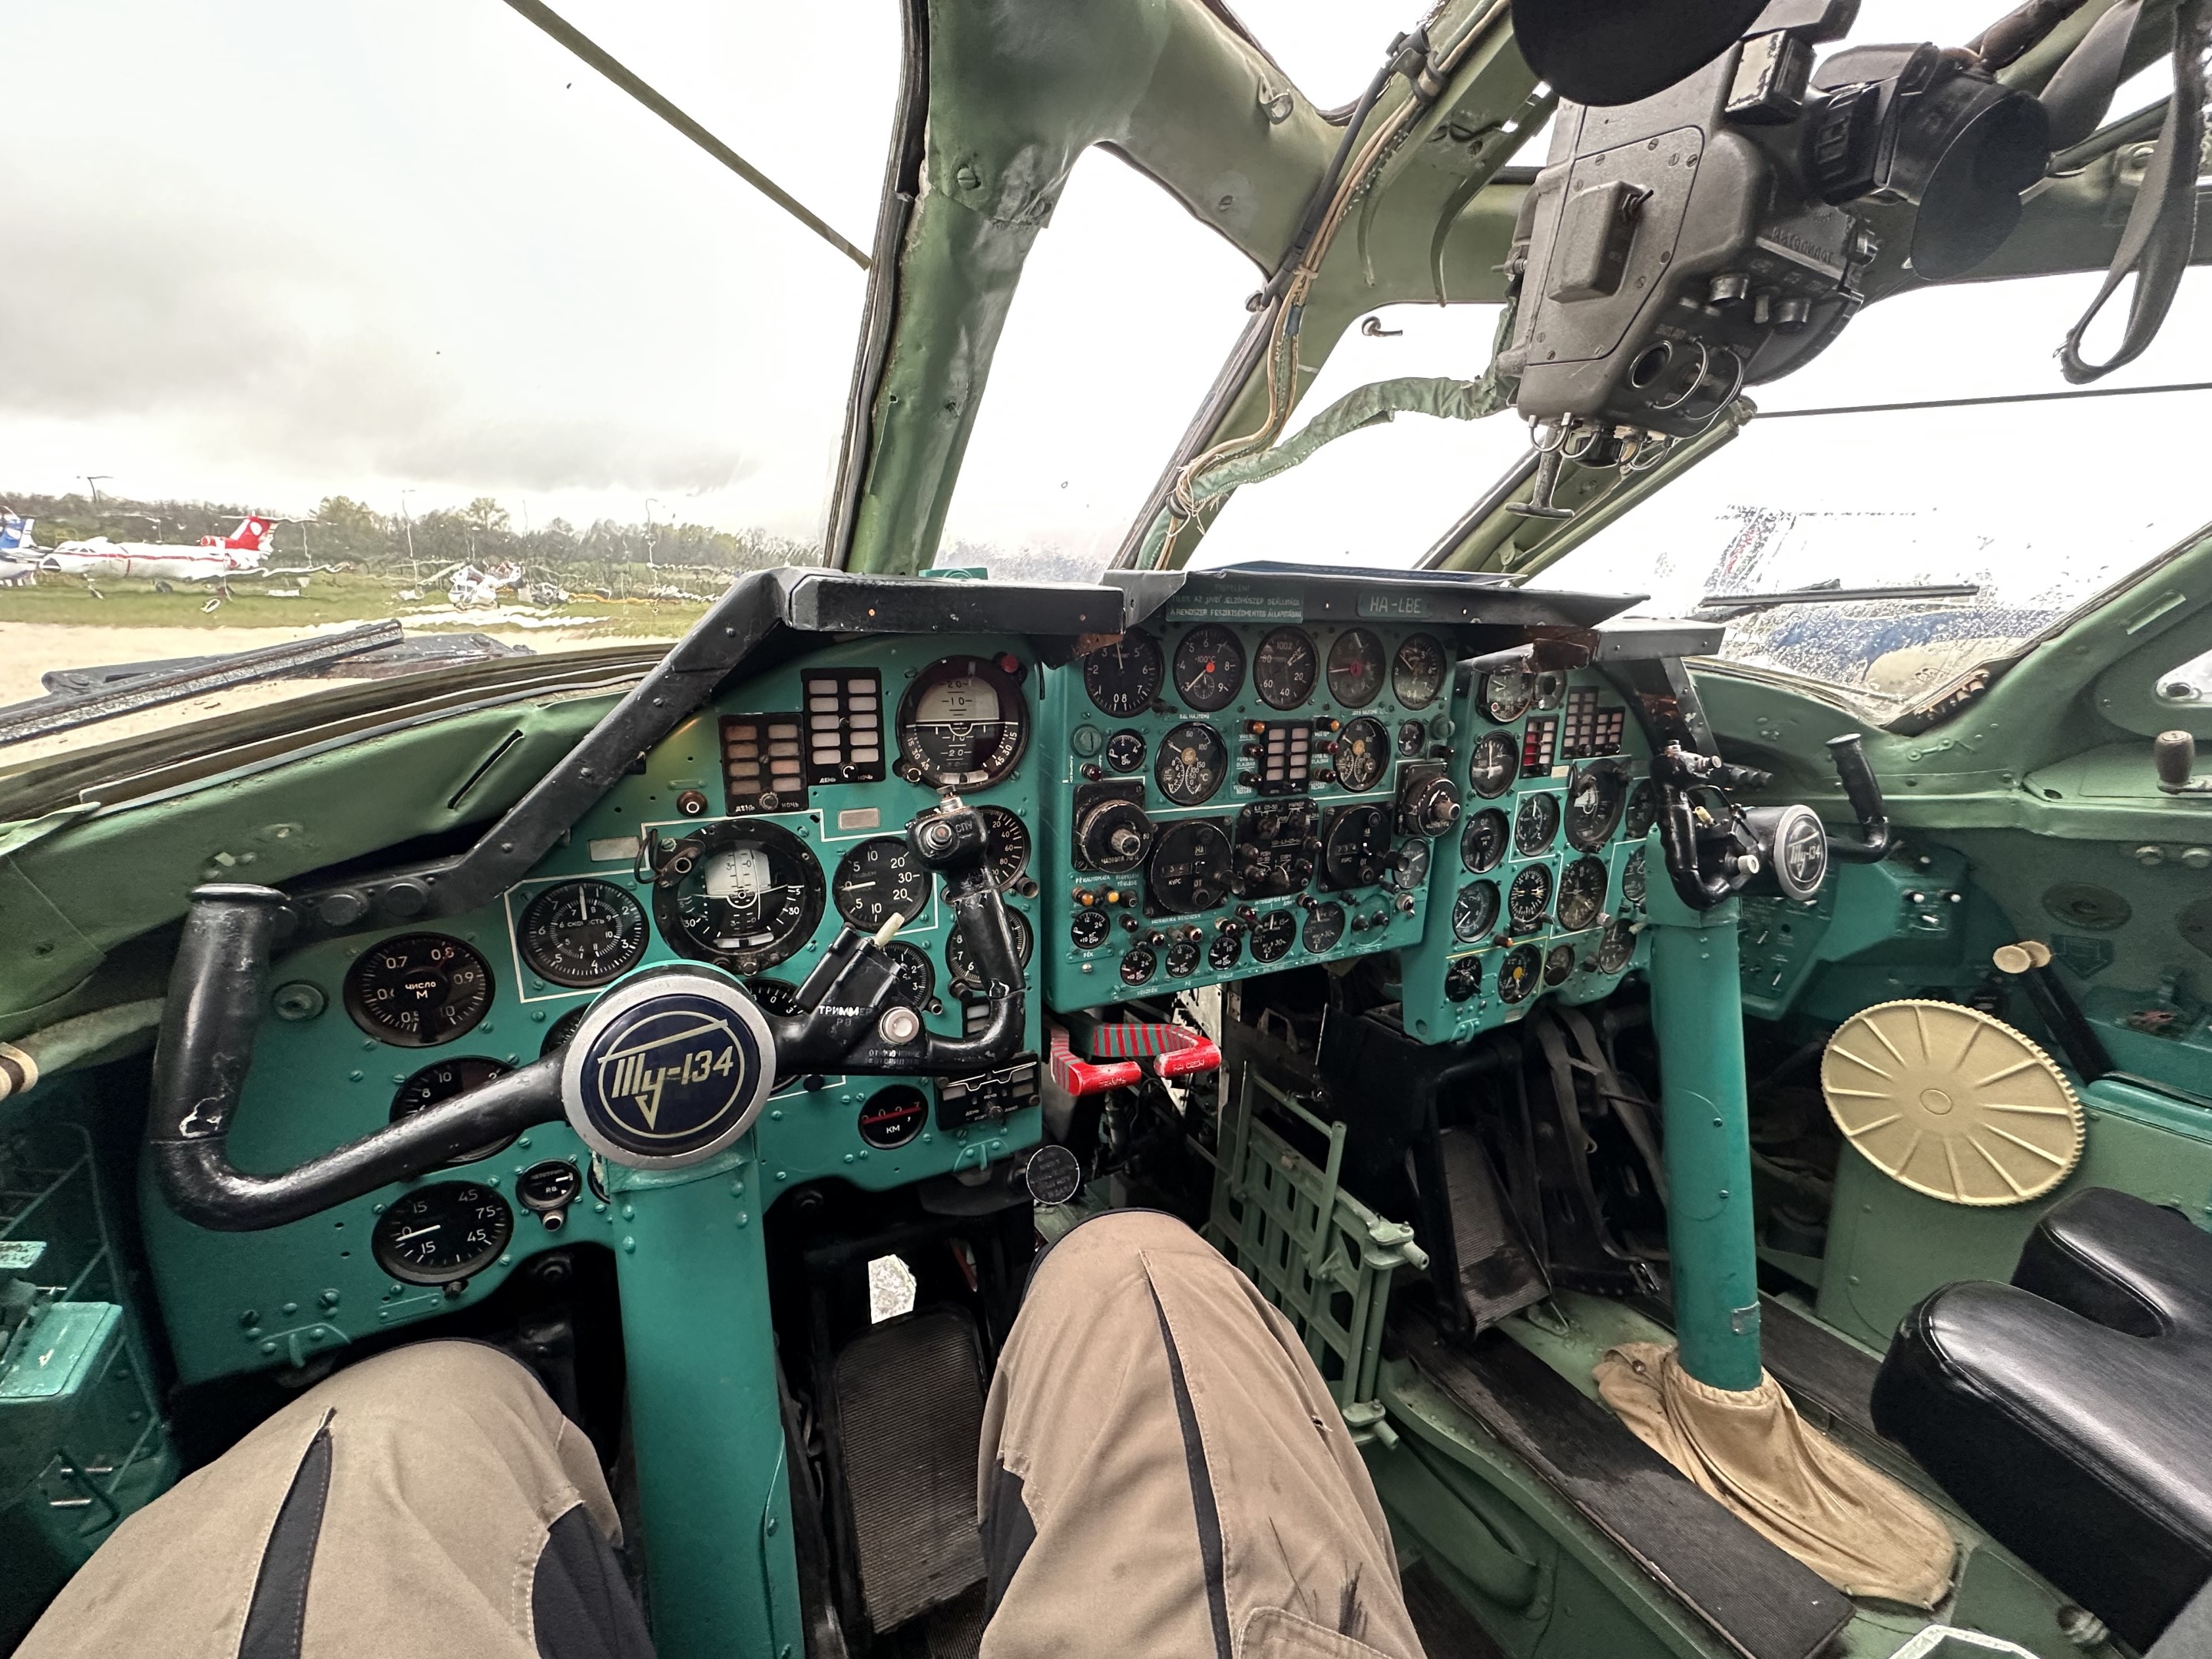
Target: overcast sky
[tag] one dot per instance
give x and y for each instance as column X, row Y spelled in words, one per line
column 266, row 252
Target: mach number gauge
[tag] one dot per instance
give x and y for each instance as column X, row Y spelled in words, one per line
column 1123, row 678
column 443, row 1232
column 583, row 932
column 418, row 990
column 879, row 879
column 962, row 724
column 743, row 896
column 440, row 1082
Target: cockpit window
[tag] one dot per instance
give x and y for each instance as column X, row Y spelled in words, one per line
column 355, row 312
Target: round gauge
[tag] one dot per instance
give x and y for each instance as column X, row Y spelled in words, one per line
column 879, row 879
column 1113, row 835
column 440, row 1082
column 1643, row 811
column 893, row 1116
column 1191, row 868
column 1089, row 929
column 558, row 1033
column 1191, row 763
column 1125, row 677
column 1138, row 964
column 442, row 1232
column 960, row 968
column 1324, row 927
column 1363, row 749
column 1474, row 912
column 1283, row 668
column 1496, row 764
column 1529, row 897
column 774, row 996
column 1274, row 934
column 1505, row 694
column 1482, row 844
column 1558, row 964
column 917, row 980
column 1182, row 959
column 582, row 932
column 1409, row 866
column 1518, row 974
column 1462, row 979
column 1226, row 951
column 1125, row 750
column 1581, row 895
column 1551, row 689
column 1355, row 668
column 1536, row 824
column 1596, row 796
column 962, row 724
column 1632, row 879
column 1615, row 946
column 743, row 896
column 1417, row 673
column 417, row 990
column 1209, row 668
column 547, row 1187
column 1412, row 736
column 1355, row 848
column 1005, row 844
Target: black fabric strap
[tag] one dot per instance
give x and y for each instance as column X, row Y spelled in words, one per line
column 1212, row 1555
column 580, row 1605
column 2078, row 96
column 2161, row 228
column 1009, row 1530
column 277, row 1617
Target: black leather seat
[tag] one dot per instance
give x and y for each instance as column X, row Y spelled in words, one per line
column 2069, row 1412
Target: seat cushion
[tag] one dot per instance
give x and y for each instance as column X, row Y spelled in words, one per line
column 2069, row 1412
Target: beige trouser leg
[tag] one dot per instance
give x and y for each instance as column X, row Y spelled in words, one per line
column 1164, row 1473
column 423, row 1486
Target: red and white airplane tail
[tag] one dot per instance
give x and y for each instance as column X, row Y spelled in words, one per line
column 251, row 531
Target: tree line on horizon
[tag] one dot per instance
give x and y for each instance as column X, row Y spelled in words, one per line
column 342, row 530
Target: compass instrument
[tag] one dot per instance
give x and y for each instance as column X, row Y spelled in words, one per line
column 1417, row 673
column 1596, row 797
column 1355, row 668
column 1191, row 764
column 878, row 879
column 418, row 990
column 1529, row 899
column 1191, row 868
column 582, row 932
column 1581, row 895
column 1123, row 678
column 1474, row 912
column 962, row 724
column 1209, row 668
column 1482, row 844
column 1355, row 848
column 1536, row 824
column 1363, row 749
column 743, row 896
column 1283, row 669
column 1496, row 763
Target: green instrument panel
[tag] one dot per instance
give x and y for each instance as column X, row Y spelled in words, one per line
column 791, row 793
column 1541, row 889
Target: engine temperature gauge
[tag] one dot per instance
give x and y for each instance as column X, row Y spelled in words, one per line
column 1192, row 762
column 582, row 932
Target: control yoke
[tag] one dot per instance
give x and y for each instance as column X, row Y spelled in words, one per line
column 845, row 1022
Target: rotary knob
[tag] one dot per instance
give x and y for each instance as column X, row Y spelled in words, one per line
column 1428, row 805
column 1113, row 835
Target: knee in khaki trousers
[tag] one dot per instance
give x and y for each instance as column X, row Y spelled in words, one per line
column 1163, row 1472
